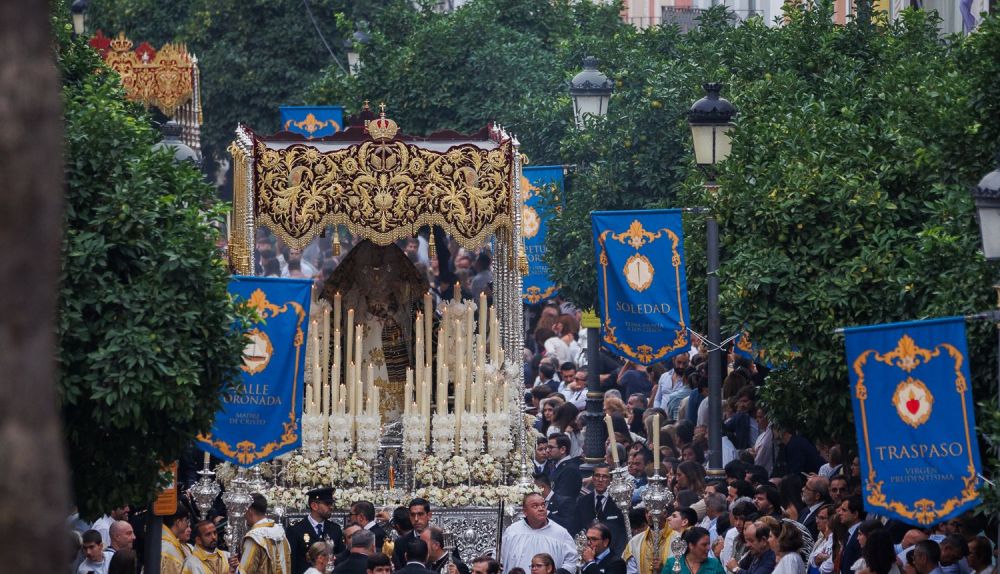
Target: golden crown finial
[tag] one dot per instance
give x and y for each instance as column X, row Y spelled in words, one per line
column 382, row 128
column 121, row 43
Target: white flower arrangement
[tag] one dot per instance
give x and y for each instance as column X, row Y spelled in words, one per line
column 224, row 473
column 429, row 470
column 367, row 428
column 341, row 436
column 312, row 434
column 414, row 437
column 443, row 435
column 486, row 470
column 457, row 470
column 305, row 470
column 472, row 434
column 498, row 431
column 353, row 472
column 294, row 498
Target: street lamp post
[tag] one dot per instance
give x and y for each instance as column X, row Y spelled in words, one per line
column 710, row 119
column 171, row 132
column 358, row 39
column 79, row 11
column 591, row 93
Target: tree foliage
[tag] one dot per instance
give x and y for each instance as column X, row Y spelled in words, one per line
column 146, row 344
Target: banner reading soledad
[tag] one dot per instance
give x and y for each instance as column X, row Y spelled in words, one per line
column 914, row 419
column 642, row 289
column 261, row 419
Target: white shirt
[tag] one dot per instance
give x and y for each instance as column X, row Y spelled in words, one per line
column 822, row 546
column 703, row 413
column 102, row 525
column 727, row 546
column 521, row 542
column 578, row 398
column 86, row 567
column 764, row 450
column 666, row 385
column 790, row 563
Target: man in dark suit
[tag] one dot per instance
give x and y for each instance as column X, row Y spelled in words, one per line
column 356, row 562
column 851, row 512
column 815, row 494
column 597, row 507
column 313, row 528
column 598, row 558
column 420, row 518
column 566, row 477
column 562, row 509
column 363, row 514
column 415, row 557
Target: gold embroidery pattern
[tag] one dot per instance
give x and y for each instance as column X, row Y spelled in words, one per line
column 907, row 356
column 247, row 452
column 535, row 294
column 162, row 79
column 384, row 191
column 637, row 237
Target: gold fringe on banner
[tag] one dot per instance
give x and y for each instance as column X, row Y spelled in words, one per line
column 239, row 248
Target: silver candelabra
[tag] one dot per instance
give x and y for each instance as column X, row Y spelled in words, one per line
column 620, row 490
column 657, row 497
column 205, row 490
column 678, row 547
column 237, row 500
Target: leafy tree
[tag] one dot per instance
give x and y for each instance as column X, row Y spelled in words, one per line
column 146, row 344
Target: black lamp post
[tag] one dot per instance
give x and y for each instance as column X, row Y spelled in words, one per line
column 358, row 39
column 591, row 92
column 710, row 119
column 79, row 11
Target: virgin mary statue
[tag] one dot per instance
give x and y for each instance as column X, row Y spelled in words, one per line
column 385, row 290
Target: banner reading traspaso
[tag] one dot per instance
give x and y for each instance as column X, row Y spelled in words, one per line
column 537, row 286
column 914, row 418
column 642, row 290
column 261, row 420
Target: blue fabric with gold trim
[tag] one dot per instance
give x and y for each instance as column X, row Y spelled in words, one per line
column 642, row 289
column 537, row 285
column 262, row 418
column 913, row 411
column 312, row 121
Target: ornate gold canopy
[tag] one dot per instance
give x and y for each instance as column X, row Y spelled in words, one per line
column 381, row 186
column 163, row 78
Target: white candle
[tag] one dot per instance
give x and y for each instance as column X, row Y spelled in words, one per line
column 337, row 301
column 408, row 392
column 350, row 335
column 611, row 435
column 208, row 458
column 443, row 391
column 470, row 342
column 428, row 325
column 656, row 443
column 458, row 291
column 342, row 406
column 325, row 348
column 494, row 337
column 308, row 399
column 326, row 399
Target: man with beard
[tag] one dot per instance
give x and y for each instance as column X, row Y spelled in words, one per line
column 206, row 558
column 314, row 528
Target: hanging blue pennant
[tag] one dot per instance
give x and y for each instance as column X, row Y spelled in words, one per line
column 261, row 419
column 642, row 288
column 537, row 286
column 914, row 419
column 312, row 121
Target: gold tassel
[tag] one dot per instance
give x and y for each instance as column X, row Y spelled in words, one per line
column 431, row 246
column 336, row 241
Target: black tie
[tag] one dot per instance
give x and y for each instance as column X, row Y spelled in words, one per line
column 600, row 504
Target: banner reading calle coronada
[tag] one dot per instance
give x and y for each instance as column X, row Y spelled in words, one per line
column 261, row 419
column 537, row 286
column 642, row 289
column 312, row 121
column 914, row 418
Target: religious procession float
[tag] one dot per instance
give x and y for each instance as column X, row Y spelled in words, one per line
column 406, row 394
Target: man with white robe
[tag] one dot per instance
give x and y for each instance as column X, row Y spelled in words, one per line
column 638, row 554
column 265, row 548
column 206, row 557
column 534, row 535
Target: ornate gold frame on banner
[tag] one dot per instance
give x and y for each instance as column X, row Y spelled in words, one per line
column 247, row 452
column 637, row 236
column 907, row 356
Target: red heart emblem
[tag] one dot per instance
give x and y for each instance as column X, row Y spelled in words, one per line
column 913, row 405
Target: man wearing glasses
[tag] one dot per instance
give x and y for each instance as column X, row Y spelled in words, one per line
column 597, row 506
column 574, row 387
column 814, row 495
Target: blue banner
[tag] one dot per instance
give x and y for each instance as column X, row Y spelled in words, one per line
column 261, row 419
column 537, row 286
column 914, row 418
column 642, row 289
column 312, row 121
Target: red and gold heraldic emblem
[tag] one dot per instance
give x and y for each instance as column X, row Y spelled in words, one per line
column 913, row 402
